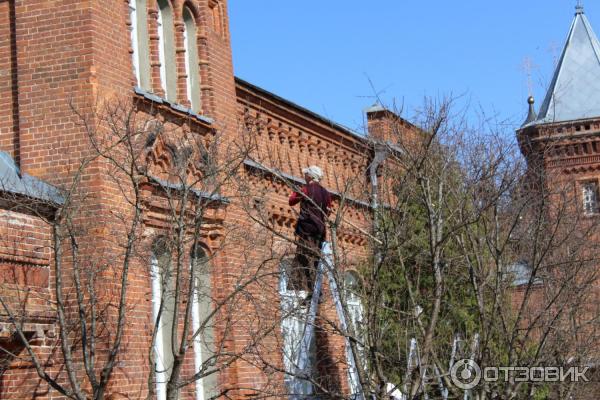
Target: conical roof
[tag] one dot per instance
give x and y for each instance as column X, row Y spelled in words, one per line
column 574, row 92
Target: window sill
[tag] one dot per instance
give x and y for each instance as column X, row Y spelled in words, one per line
column 174, row 106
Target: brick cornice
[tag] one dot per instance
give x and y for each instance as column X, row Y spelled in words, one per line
column 298, row 117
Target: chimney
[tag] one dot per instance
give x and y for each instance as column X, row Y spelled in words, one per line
column 388, row 127
column 380, row 123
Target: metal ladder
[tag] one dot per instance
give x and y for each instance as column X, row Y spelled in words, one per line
column 303, row 364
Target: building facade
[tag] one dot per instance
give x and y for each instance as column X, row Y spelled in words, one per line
column 561, row 144
column 98, row 232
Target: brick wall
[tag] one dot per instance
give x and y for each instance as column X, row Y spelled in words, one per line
column 55, row 55
column 7, row 79
column 25, row 289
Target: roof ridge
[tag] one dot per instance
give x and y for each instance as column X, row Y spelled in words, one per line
column 574, row 92
column 591, row 36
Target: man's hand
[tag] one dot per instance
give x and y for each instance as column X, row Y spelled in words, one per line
column 295, row 197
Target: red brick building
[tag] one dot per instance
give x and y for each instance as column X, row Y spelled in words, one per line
column 165, row 65
column 561, row 143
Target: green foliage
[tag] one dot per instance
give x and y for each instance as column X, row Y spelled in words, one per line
column 405, row 280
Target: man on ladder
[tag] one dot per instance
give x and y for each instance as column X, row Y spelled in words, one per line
column 314, row 259
column 315, row 206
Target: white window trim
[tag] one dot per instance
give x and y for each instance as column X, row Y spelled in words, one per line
column 589, row 191
column 188, row 68
column 134, row 40
column 355, row 311
column 160, row 373
column 191, row 59
column 162, row 52
column 196, row 321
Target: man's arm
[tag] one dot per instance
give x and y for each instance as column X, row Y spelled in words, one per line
column 295, row 197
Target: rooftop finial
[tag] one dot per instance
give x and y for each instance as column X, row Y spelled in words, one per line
column 579, row 7
column 531, row 115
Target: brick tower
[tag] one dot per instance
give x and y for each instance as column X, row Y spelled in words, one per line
column 168, row 60
column 562, row 146
column 564, row 136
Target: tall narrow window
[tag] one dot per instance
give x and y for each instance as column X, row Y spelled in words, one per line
column 191, row 59
column 166, row 50
column 355, row 314
column 139, row 42
column 163, row 308
column 355, row 311
column 200, row 312
column 590, row 197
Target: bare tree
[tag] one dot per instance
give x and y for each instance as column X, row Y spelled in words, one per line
column 459, row 248
column 479, row 257
column 163, row 189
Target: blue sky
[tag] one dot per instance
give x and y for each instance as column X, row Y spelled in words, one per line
column 324, row 54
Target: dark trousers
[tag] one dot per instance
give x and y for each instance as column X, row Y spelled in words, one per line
column 303, row 272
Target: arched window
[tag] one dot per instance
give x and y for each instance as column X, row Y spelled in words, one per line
column 139, row 43
column 201, row 308
column 191, row 59
column 166, row 50
column 163, row 308
column 352, row 290
column 355, row 310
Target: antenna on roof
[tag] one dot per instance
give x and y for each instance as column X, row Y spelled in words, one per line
column 527, row 67
column 579, row 7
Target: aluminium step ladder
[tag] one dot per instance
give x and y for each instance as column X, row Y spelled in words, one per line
column 300, row 388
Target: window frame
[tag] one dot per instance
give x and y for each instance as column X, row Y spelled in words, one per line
column 355, row 307
column 201, row 308
column 140, row 56
column 159, row 273
column 166, row 49
column 192, row 69
column 591, row 207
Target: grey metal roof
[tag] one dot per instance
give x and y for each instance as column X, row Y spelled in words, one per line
column 574, row 92
column 199, row 193
column 12, row 181
column 175, row 106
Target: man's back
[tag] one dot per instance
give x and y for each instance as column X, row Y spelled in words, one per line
column 314, row 208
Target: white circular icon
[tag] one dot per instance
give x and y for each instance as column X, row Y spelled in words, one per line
column 465, row 374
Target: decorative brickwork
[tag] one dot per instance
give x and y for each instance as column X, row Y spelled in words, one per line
column 63, row 57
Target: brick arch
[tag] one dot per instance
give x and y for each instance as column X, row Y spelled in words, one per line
column 160, row 158
column 193, row 9
column 205, row 248
column 159, row 243
column 154, row 4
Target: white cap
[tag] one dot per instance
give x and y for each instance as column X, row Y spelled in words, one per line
column 314, row 172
